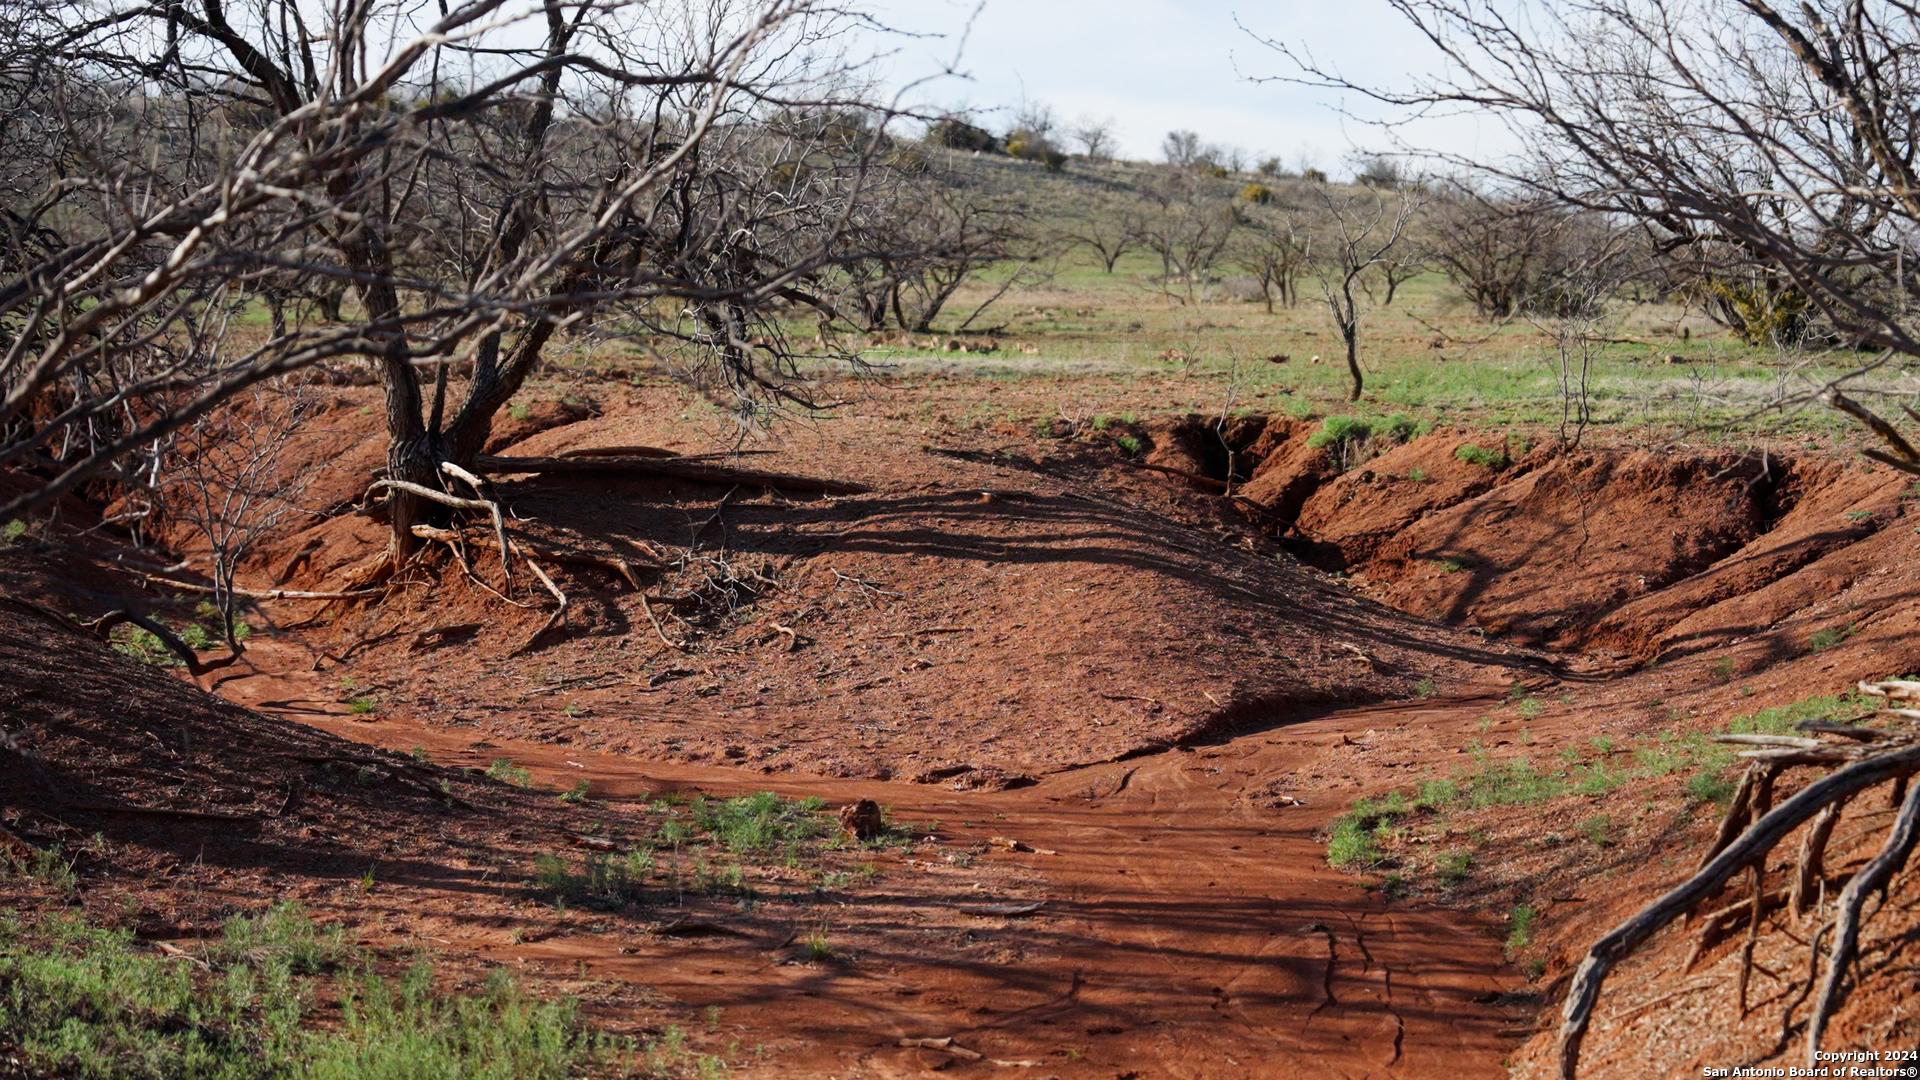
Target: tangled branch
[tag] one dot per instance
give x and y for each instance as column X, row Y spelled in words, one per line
column 1752, row 829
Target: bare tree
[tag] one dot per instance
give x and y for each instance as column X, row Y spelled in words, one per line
column 1189, row 227
column 1360, row 230
column 1496, row 249
column 479, row 178
column 1273, row 246
column 1184, row 148
column 1109, row 227
column 1095, row 136
column 226, row 478
column 1036, row 118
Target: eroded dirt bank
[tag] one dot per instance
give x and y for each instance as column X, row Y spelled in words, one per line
column 1166, row 687
column 1619, row 553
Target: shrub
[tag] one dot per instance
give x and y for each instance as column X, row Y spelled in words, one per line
column 1130, row 444
column 956, row 134
column 1031, row 146
column 1400, row 427
column 1760, row 316
column 1257, row 194
column 1473, row 454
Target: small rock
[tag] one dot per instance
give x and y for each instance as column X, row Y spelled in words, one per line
column 862, row 819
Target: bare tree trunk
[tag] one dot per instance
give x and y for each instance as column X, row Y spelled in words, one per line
column 1350, row 331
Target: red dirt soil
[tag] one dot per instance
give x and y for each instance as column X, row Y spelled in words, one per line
column 1023, row 638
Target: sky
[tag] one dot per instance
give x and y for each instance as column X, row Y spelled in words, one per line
column 1152, row 66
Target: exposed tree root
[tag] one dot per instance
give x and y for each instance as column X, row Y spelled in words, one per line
column 646, row 605
column 492, row 508
column 103, row 626
column 1875, row 875
column 1811, row 870
column 669, row 467
column 1752, row 828
column 655, row 452
column 624, row 568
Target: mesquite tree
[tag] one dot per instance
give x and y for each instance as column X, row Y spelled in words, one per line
column 1360, row 235
column 479, row 177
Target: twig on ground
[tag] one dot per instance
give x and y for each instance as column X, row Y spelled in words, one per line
column 646, row 605
column 559, row 615
column 671, row 468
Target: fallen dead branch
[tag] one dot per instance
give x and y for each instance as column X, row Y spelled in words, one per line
column 266, row 594
column 1182, row 473
column 559, row 616
column 162, row 812
column 673, row 468
column 1752, row 828
column 654, row 452
column 103, row 627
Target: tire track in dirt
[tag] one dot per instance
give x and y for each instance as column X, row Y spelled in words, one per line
column 1187, row 933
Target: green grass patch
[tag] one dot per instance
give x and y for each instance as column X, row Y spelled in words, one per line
column 1520, row 927
column 1784, row 719
column 704, row 846
column 1474, row 454
column 754, row 824
column 1710, row 787
column 1822, row 640
column 82, row 1001
column 1454, row 866
column 505, row 771
column 1339, row 429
